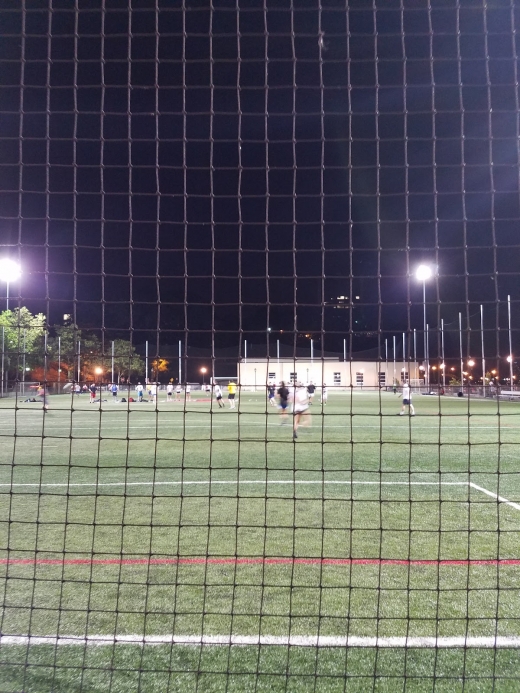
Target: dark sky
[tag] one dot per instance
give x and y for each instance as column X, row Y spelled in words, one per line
column 210, row 172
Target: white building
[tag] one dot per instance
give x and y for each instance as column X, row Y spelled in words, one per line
column 255, row 373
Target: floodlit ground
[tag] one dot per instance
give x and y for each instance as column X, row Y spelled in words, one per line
column 187, row 548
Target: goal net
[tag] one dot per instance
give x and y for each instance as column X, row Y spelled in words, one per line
column 240, row 243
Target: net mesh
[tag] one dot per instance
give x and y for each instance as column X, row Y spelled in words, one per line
column 239, row 241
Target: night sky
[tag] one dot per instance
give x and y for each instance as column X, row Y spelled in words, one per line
column 213, row 173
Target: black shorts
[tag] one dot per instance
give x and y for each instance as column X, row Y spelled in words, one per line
column 219, row 397
column 406, row 401
column 230, row 396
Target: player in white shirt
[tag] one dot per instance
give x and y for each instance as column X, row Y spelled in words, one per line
column 407, row 400
column 300, row 400
column 188, row 392
column 153, row 392
column 324, row 394
column 178, row 393
column 218, row 395
column 169, row 392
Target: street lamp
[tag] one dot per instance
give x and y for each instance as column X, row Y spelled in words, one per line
column 203, row 371
column 422, row 274
column 9, row 272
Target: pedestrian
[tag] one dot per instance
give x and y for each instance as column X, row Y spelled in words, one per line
column 139, row 392
column 407, row 401
column 300, row 407
column 283, row 399
column 232, row 388
column 218, row 396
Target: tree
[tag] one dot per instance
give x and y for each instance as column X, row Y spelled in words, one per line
column 73, row 345
column 68, row 343
column 23, row 339
column 127, row 361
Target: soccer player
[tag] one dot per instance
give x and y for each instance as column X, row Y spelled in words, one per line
column 169, row 391
column 153, row 393
column 92, row 389
column 188, row 392
column 311, row 388
column 218, row 395
column 114, row 389
column 324, row 394
column 300, row 406
column 407, row 400
column 232, row 388
column 139, row 392
column 270, row 394
column 42, row 393
column 178, row 392
column 283, row 398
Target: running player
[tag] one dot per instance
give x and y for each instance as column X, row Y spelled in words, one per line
column 218, row 395
column 283, row 398
column 300, row 407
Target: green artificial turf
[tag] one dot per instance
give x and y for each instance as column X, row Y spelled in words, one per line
column 187, row 520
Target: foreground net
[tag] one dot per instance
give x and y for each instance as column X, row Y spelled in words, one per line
column 258, row 413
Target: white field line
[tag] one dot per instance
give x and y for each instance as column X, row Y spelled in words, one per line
column 489, row 642
column 256, row 482
column 235, row 482
column 500, row 499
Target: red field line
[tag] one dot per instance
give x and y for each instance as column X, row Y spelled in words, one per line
column 258, row 561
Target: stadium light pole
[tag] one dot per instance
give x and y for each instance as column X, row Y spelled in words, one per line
column 203, row 371
column 422, row 274
column 10, row 271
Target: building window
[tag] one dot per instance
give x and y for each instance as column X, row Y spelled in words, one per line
column 293, row 377
column 337, row 378
column 382, row 378
column 271, row 376
column 359, row 378
column 404, row 376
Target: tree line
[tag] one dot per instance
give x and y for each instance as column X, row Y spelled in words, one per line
column 33, row 350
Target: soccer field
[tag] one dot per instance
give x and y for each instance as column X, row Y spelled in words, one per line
column 186, row 548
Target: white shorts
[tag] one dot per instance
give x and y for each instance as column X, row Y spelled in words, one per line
column 300, row 410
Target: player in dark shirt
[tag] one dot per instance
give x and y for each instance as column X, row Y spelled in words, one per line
column 283, row 398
